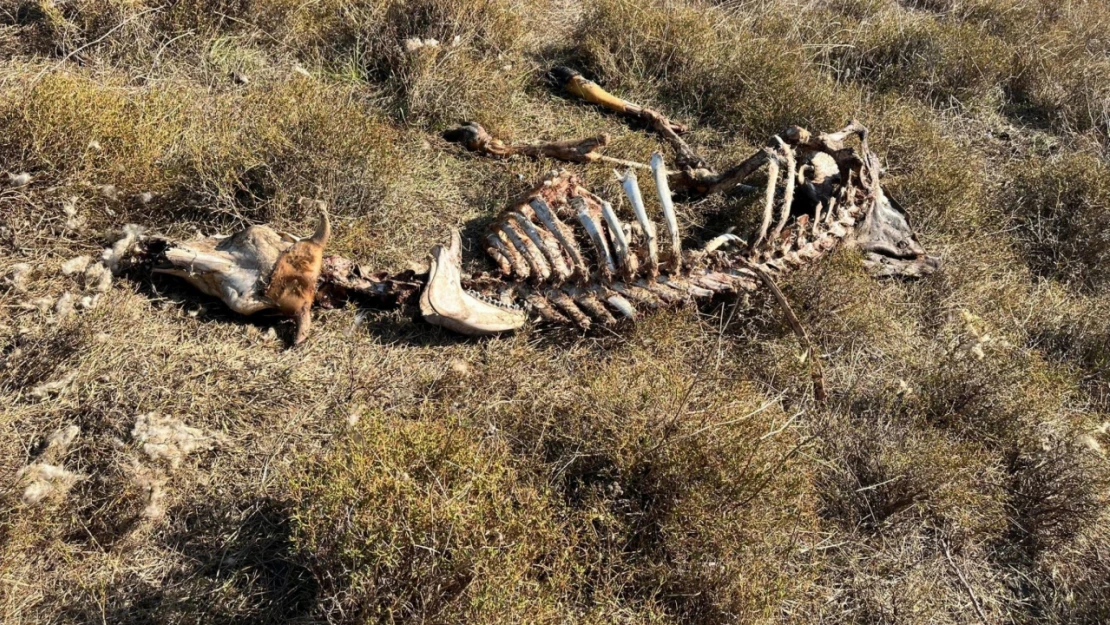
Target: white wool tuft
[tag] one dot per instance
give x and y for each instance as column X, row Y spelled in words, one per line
column 122, row 247
column 60, row 440
column 98, row 278
column 74, row 220
column 63, row 308
column 44, row 481
column 412, row 44
column 153, row 481
column 75, row 265
column 19, row 180
column 41, row 304
column 18, row 275
column 55, row 388
column 166, row 438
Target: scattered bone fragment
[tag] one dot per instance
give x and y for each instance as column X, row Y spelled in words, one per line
column 168, row 439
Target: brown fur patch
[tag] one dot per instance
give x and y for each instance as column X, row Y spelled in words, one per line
column 293, row 282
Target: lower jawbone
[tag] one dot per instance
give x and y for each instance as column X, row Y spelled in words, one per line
column 446, row 303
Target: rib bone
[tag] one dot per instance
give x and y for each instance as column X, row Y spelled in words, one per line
column 559, row 229
column 553, row 256
column 659, row 173
column 604, row 260
column 632, row 190
column 532, row 255
column 768, row 200
column 791, row 179
column 620, row 241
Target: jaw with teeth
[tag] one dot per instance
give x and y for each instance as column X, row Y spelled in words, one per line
column 445, row 303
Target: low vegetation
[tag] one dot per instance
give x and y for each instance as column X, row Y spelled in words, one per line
column 674, row 472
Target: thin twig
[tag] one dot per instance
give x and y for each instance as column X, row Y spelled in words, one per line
column 621, row 161
column 967, row 586
column 815, row 366
column 700, row 430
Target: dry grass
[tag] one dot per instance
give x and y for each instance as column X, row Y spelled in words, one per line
column 675, row 472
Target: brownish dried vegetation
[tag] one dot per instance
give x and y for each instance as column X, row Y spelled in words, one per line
column 675, row 472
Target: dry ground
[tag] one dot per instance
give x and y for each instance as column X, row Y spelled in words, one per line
column 676, row 472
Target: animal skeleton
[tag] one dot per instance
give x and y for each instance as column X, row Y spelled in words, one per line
column 564, row 255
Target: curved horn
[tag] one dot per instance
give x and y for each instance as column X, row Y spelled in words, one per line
column 323, row 228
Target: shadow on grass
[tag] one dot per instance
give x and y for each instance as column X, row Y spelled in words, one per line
column 239, row 567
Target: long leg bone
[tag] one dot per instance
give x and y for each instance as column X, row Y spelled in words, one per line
column 659, row 173
column 477, row 139
column 632, row 190
column 578, row 86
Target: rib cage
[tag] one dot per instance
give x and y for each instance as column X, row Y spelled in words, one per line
column 568, row 255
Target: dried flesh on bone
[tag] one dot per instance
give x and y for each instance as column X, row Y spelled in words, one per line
column 616, row 275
